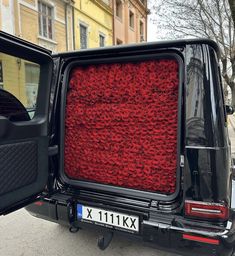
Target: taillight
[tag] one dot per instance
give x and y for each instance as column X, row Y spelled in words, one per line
column 205, row 210
column 39, row 203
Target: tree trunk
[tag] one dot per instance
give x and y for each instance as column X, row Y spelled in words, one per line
column 225, row 89
column 232, row 7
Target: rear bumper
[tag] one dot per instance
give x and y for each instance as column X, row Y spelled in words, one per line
column 160, row 232
column 198, row 242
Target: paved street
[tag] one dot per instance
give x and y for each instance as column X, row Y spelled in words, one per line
column 231, row 130
column 23, row 235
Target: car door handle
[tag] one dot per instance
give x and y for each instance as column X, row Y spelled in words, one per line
column 53, row 150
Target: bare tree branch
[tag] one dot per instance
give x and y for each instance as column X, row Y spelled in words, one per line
column 212, row 19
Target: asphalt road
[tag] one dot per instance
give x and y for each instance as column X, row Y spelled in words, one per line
column 24, row 235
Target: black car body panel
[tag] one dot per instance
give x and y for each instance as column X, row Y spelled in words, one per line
column 207, row 147
column 122, row 58
column 158, row 229
column 24, row 143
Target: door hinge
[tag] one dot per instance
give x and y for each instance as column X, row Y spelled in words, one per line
column 53, row 150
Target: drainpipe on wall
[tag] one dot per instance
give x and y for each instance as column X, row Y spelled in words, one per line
column 126, row 21
column 16, row 14
column 68, row 4
column 147, row 12
column 114, row 43
column 146, row 28
column 73, row 28
column 146, row 22
column 66, row 25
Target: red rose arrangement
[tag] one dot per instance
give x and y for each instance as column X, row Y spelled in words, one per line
column 121, row 125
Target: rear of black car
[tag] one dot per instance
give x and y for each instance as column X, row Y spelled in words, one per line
column 142, row 136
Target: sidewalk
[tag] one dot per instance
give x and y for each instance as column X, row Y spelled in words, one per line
column 231, row 121
column 231, row 131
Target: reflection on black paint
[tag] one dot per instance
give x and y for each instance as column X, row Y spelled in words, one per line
column 195, row 94
column 196, row 99
column 203, row 99
column 192, row 155
column 207, row 160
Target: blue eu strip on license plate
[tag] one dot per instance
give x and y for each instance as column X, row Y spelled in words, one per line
column 79, row 211
column 108, row 218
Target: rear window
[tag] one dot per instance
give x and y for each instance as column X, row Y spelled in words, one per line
column 19, row 83
column 121, row 124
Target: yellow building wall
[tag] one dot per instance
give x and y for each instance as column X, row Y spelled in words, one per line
column 14, row 77
column 30, row 27
column 26, row 26
column 98, row 19
column 94, row 13
column 29, row 24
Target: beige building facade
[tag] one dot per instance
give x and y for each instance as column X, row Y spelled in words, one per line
column 56, row 24
column 47, row 23
column 93, row 23
column 130, row 21
column 64, row 25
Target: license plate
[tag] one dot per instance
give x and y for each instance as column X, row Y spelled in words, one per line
column 107, row 218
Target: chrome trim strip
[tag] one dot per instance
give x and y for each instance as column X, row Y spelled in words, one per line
column 201, row 147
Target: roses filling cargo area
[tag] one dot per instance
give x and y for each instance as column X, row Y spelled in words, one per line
column 121, row 124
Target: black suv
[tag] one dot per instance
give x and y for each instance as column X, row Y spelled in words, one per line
column 129, row 139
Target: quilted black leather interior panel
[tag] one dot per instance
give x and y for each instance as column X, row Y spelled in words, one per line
column 18, row 165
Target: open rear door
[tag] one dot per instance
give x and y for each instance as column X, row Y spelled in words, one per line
column 25, row 77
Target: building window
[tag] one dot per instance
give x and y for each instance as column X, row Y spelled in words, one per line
column 45, row 20
column 32, row 72
column 1, row 75
column 131, row 19
column 102, row 40
column 83, row 36
column 119, row 9
column 142, row 32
